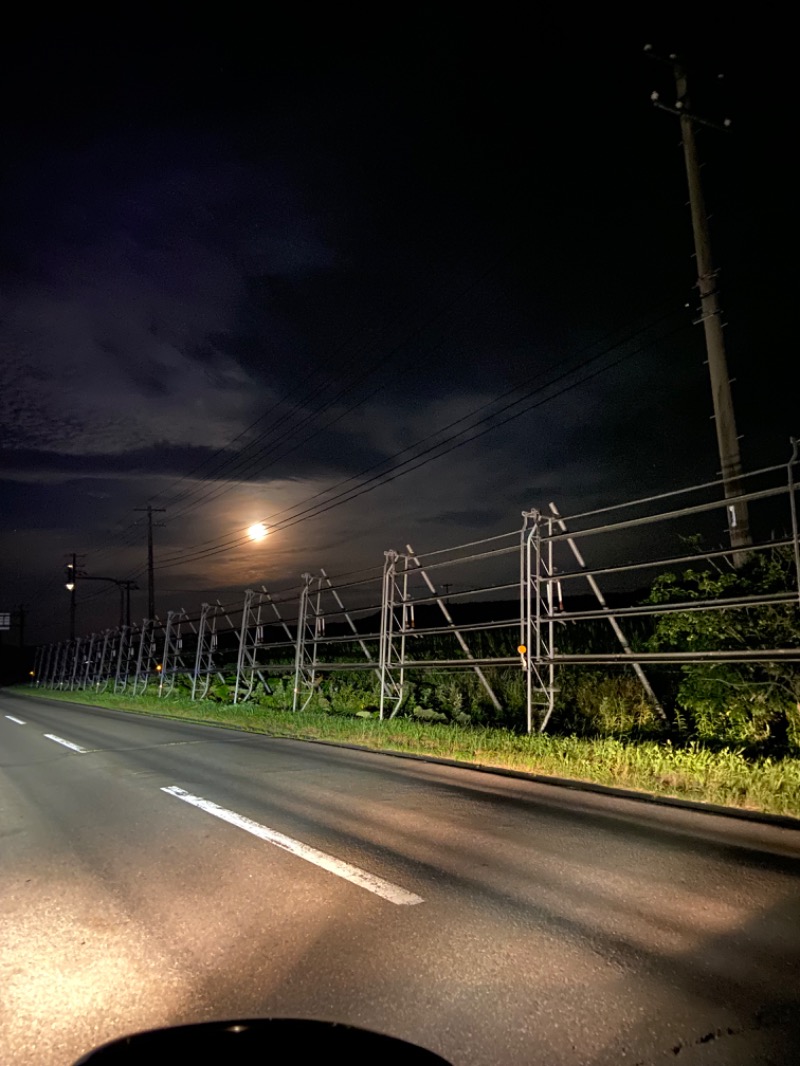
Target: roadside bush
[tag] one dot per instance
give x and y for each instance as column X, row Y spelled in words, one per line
column 597, row 702
column 751, row 704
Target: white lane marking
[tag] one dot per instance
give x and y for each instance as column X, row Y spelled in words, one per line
column 66, row 743
column 11, row 718
column 385, row 889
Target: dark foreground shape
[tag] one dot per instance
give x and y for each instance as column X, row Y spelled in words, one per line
column 261, row 1040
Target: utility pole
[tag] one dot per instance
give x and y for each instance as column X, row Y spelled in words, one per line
column 72, row 575
column 711, row 317
column 124, row 587
column 151, row 599
column 128, row 585
column 21, row 624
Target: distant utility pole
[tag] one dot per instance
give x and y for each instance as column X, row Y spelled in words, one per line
column 151, row 598
column 72, row 576
column 711, row 317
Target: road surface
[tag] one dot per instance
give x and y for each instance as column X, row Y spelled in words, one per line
column 157, row 872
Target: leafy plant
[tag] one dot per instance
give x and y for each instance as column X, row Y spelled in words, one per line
column 749, row 703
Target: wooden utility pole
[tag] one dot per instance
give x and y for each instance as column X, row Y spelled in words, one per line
column 711, row 317
column 72, row 575
column 151, row 598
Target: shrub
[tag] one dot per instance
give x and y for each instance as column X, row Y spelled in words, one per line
column 754, row 704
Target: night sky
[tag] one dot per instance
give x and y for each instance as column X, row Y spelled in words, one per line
column 250, row 271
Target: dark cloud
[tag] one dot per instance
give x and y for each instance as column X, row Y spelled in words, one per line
column 244, row 277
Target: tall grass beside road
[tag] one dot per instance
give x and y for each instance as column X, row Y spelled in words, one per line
column 692, row 772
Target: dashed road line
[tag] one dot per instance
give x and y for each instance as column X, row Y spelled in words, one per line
column 67, row 743
column 385, row 889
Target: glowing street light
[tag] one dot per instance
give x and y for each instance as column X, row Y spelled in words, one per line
column 257, row 531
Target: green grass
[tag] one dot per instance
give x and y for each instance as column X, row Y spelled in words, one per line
column 692, row 772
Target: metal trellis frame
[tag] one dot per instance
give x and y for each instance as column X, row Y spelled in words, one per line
column 172, row 663
column 397, row 634
column 145, row 656
column 125, row 652
column 251, row 636
column 397, row 615
column 102, row 672
column 205, row 662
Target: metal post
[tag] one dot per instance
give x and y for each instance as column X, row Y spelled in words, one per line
column 457, row 633
column 406, row 623
column 171, row 661
column 200, row 655
column 248, row 599
column 165, row 658
column 60, row 672
column 101, row 666
column 145, row 637
column 123, row 656
column 66, row 663
column 300, row 645
column 550, row 630
column 57, row 657
column 529, row 620
column 52, row 666
column 40, row 675
column 612, row 621
column 66, row 659
column 247, row 659
column 525, row 617
column 88, row 663
column 319, row 631
column 38, row 658
column 75, row 660
column 266, row 595
column 204, row 665
column 387, row 623
column 538, row 617
column 538, row 647
column 353, row 628
column 793, row 511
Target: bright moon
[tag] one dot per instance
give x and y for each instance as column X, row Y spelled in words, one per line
column 257, row 531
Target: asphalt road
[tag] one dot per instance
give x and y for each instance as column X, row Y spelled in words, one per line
column 491, row 919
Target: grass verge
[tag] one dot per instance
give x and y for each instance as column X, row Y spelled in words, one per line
column 693, row 772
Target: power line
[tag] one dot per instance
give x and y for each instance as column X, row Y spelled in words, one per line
column 215, row 492
column 452, row 297
column 237, row 539
column 438, row 449
column 244, row 464
column 126, row 534
column 406, row 467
